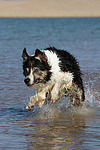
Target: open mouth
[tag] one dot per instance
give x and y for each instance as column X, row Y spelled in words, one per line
column 30, row 84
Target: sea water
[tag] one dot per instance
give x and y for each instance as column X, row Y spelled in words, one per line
column 54, row 126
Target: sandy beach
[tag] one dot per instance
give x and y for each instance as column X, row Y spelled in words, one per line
column 50, row 8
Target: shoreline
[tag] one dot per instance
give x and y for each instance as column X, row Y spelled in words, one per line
column 1, row 17
column 49, row 9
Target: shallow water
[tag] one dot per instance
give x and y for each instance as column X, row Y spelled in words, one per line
column 56, row 126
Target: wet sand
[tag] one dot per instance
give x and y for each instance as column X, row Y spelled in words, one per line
column 50, row 8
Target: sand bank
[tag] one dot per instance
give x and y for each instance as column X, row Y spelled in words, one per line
column 50, row 8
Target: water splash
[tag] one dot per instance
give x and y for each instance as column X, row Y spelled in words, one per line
column 92, row 97
column 63, row 108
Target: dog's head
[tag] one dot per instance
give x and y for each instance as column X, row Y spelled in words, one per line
column 35, row 68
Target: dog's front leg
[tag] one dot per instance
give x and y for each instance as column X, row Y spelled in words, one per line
column 39, row 98
column 31, row 104
column 54, row 93
column 57, row 90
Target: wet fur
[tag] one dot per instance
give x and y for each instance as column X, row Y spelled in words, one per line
column 55, row 73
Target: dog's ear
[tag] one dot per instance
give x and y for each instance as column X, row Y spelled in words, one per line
column 24, row 55
column 40, row 55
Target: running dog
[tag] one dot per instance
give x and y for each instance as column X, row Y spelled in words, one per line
column 55, row 73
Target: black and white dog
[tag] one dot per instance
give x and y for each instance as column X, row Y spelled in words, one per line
column 55, row 73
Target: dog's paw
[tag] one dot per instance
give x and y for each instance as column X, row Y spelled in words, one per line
column 28, row 107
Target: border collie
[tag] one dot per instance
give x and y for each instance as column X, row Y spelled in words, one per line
column 55, row 73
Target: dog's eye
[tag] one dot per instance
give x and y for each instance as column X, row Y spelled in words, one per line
column 36, row 70
column 27, row 69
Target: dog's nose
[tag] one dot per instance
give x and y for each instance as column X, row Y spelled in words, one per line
column 27, row 80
